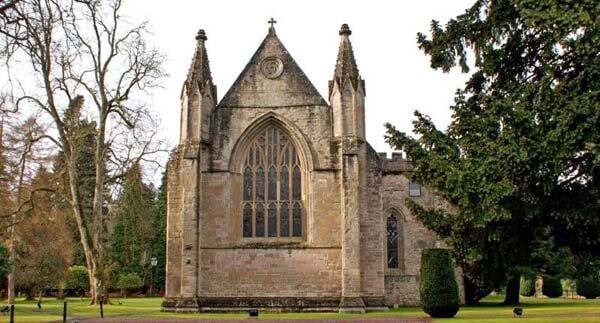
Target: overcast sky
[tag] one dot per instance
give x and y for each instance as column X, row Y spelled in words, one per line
column 397, row 74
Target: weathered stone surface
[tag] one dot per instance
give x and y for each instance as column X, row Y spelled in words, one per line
column 348, row 191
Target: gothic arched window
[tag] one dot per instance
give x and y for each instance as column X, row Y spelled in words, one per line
column 395, row 242
column 272, row 176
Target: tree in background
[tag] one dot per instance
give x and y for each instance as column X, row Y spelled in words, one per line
column 85, row 160
column 22, row 156
column 129, row 283
column 84, row 51
column 517, row 160
column 159, row 246
column 77, row 280
column 44, row 251
column 134, row 231
column 5, row 263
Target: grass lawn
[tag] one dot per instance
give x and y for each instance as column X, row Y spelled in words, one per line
column 490, row 310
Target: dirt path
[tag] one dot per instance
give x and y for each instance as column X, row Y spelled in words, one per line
column 360, row 320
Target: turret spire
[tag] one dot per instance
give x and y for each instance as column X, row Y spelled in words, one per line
column 198, row 95
column 346, row 64
column 199, row 72
column 347, row 92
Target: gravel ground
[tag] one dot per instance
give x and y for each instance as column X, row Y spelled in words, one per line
column 364, row 320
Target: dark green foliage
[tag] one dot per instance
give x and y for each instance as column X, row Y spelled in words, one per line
column 78, row 280
column 437, row 287
column 129, row 282
column 552, row 286
column 85, row 145
column 589, row 286
column 519, row 158
column 159, row 246
column 5, row 264
column 527, row 286
column 134, row 226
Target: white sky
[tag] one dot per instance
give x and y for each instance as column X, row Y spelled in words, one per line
column 397, row 74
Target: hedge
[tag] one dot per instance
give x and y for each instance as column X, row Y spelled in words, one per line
column 552, row 287
column 437, row 287
column 588, row 287
column 527, row 286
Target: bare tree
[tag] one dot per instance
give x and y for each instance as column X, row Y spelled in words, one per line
column 21, row 155
column 83, row 51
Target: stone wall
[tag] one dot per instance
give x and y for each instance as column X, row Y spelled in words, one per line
column 271, row 272
column 402, row 285
column 372, row 230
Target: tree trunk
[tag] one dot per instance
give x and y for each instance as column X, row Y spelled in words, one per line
column 512, row 290
column 90, row 251
column 474, row 292
column 11, row 273
column 29, row 294
column 13, row 228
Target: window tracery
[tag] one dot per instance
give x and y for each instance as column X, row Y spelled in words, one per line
column 272, row 187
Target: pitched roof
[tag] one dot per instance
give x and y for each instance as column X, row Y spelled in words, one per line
column 272, row 79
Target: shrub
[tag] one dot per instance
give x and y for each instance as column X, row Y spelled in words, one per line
column 78, row 280
column 438, row 288
column 589, row 286
column 129, row 282
column 527, row 286
column 552, row 287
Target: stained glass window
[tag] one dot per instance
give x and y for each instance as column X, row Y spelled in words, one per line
column 395, row 242
column 392, row 242
column 272, row 180
column 247, row 220
column 284, row 216
column 272, row 220
column 260, row 220
column 297, row 220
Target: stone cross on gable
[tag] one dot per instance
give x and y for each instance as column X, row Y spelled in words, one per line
column 272, row 22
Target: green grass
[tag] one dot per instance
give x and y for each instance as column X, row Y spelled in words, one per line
column 490, row 310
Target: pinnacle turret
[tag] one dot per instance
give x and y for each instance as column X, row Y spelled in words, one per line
column 346, row 64
column 199, row 72
column 347, row 92
column 198, row 95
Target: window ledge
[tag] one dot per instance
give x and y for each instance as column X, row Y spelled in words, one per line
column 395, row 272
column 270, row 243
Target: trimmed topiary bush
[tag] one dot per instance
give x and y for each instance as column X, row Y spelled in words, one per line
column 527, row 286
column 588, row 287
column 129, row 282
column 437, row 287
column 552, row 287
column 78, row 280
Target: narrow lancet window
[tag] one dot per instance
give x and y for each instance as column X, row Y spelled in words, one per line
column 392, row 242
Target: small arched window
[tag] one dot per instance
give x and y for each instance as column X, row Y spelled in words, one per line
column 272, row 177
column 395, row 242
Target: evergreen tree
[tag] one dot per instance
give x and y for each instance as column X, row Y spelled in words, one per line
column 133, row 231
column 86, row 143
column 159, row 246
column 517, row 160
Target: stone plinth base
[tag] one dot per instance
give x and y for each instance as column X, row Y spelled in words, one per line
column 274, row 304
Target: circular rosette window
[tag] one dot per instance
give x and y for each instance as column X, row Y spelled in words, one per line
column 271, row 67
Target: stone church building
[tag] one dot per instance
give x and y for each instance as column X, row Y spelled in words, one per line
column 276, row 200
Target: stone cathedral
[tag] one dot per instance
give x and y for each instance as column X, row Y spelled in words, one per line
column 277, row 201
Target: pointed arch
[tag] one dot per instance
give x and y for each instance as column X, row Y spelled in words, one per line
column 274, row 168
column 395, row 240
column 240, row 149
